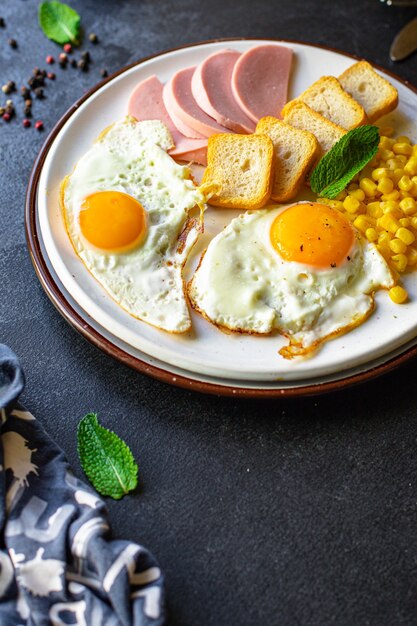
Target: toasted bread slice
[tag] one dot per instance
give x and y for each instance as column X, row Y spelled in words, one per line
column 240, row 170
column 301, row 116
column 327, row 97
column 377, row 96
column 295, row 151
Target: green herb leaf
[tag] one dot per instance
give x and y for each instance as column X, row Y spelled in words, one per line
column 59, row 22
column 348, row 156
column 106, row 459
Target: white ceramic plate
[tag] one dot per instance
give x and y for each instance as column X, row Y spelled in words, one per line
column 207, row 353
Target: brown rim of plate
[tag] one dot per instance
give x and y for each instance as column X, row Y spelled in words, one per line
column 59, row 300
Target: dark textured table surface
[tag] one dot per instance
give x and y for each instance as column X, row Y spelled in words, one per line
column 273, row 512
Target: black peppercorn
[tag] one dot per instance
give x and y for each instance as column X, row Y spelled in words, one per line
column 12, row 43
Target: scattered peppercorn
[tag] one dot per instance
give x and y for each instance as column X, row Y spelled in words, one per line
column 82, row 65
column 39, row 92
column 28, row 102
column 11, row 85
column 86, row 56
column 25, row 92
column 2, row 111
column 39, row 125
column 26, row 123
column 2, row 22
column 68, row 48
column 50, row 59
column 73, row 63
column 12, row 43
column 28, row 111
column 93, row 38
column 9, row 108
column 5, row 89
column 6, row 116
column 104, row 72
column 63, row 57
column 51, row 75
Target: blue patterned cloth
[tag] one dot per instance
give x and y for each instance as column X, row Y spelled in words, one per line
column 58, row 563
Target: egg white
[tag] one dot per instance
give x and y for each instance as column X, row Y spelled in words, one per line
column 146, row 281
column 243, row 284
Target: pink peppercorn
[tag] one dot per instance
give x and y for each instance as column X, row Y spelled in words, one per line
column 39, row 125
column 6, row 117
column 51, row 76
column 26, row 123
column 50, row 59
column 68, row 48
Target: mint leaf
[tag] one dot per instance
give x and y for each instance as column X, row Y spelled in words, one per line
column 348, row 156
column 106, row 459
column 59, row 22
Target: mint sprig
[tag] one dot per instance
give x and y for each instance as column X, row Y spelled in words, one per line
column 59, row 22
column 106, row 459
column 348, row 156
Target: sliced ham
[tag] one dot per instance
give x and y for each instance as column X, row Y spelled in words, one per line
column 146, row 103
column 180, row 102
column 260, row 80
column 212, row 90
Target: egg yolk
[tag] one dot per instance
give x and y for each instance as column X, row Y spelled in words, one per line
column 112, row 220
column 312, row 233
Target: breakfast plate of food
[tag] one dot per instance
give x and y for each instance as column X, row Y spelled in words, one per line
column 236, row 216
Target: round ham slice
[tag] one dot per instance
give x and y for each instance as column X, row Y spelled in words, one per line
column 180, row 102
column 212, row 90
column 260, row 80
column 146, row 103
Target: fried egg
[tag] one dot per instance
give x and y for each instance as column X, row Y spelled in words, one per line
column 301, row 270
column 126, row 208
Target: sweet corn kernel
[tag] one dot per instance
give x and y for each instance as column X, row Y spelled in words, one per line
column 394, row 195
column 385, row 185
column 402, row 159
column 414, row 222
column 403, row 139
column 398, row 294
column 397, row 174
column 405, row 183
column 387, row 222
column 374, row 210
column 415, row 150
column 405, row 221
column 380, row 172
column 410, row 167
column 393, row 208
column 392, row 163
column 384, row 250
column 408, row 206
column 368, row 186
column 371, row 234
column 359, row 194
column 399, row 261
column 351, row 204
column 405, row 235
column 362, row 223
column 397, row 246
column 411, row 256
column 352, row 186
column 385, row 143
column 386, row 154
column 402, row 148
column 336, row 204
